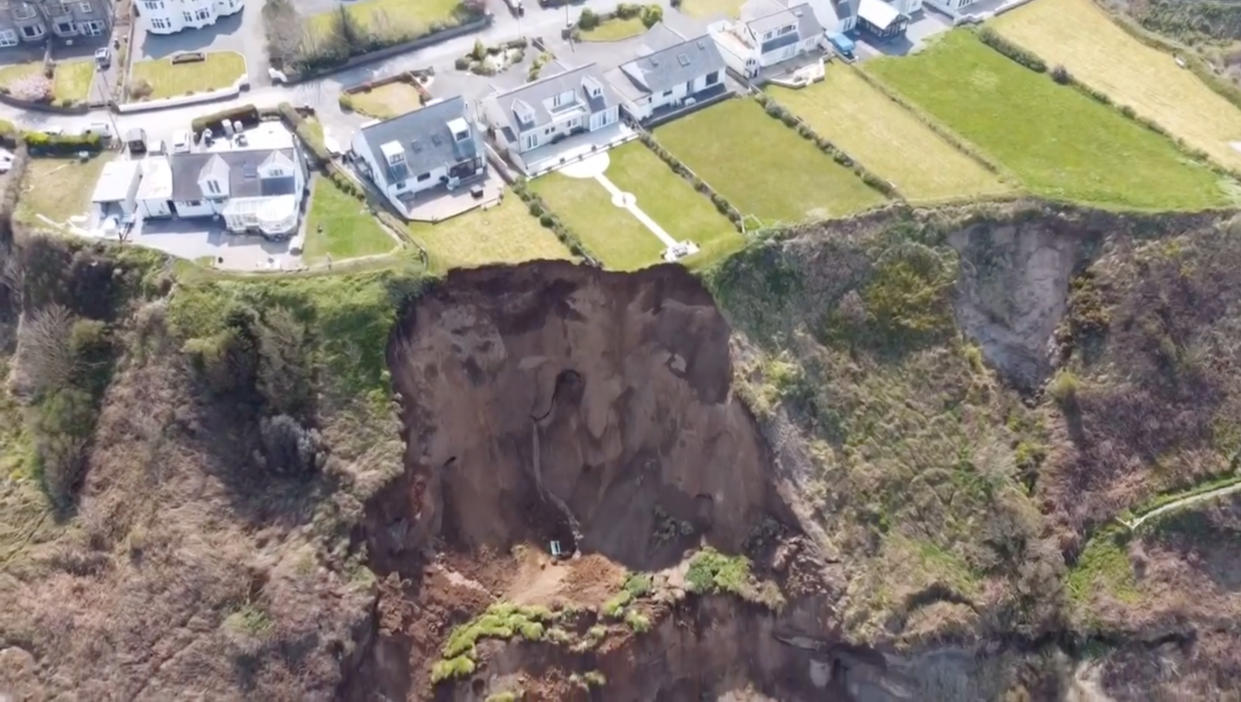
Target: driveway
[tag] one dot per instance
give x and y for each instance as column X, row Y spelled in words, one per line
column 242, row 32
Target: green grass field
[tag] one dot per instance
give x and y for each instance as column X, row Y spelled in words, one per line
column 1080, row 36
column 349, row 229
column 1062, row 144
column 888, row 139
column 387, row 100
column 392, row 19
column 615, row 29
column 610, row 233
column 220, row 69
column 710, row 8
column 505, row 233
column 764, row 168
column 72, row 80
column 58, row 188
column 670, row 200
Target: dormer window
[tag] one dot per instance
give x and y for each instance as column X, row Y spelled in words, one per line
column 460, row 130
column 525, row 114
column 213, row 187
column 592, row 87
column 393, row 153
column 562, row 99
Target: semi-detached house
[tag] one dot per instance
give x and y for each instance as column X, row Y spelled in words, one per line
column 35, row 21
column 409, row 155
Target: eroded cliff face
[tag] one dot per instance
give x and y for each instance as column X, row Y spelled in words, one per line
column 554, row 401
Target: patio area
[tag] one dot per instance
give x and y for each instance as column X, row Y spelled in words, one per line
column 439, row 204
column 575, row 148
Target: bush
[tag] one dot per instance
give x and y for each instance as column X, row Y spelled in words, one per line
column 712, row 572
column 627, row 10
column 449, row 669
column 588, row 20
column 1063, row 387
column 462, row 63
column 288, row 448
column 638, row 622
column 1028, row 59
column 652, row 15
column 248, row 115
column 41, row 144
column 1061, row 75
column 638, row 584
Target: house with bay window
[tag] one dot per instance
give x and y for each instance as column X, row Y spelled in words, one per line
column 171, row 16
column 36, row 21
column 254, row 181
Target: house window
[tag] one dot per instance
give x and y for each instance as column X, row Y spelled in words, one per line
column 713, row 77
column 161, row 23
column 399, row 185
column 423, row 176
column 532, row 140
column 64, row 27
column 274, row 173
column 154, row 5
column 93, row 28
column 213, row 187
column 31, row 31
column 193, row 203
column 8, row 37
column 204, row 14
column 189, row 17
column 85, row 8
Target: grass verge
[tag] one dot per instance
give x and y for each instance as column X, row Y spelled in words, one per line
column 615, row 30
column 387, row 101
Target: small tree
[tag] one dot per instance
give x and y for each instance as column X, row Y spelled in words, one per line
column 588, row 20
column 480, row 50
column 652, row 15
column 1061, row 75
column 45, row 359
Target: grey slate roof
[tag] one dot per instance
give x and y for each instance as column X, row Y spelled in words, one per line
column 800, row 14
column 425, row 137
column 675, row 65
column 538, row 96
column 243, row 180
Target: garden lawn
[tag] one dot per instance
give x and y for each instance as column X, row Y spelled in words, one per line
column 72, row 79
column 349, row 229
column 1080, row 36
column 387, row 100
column 608, row 232
column 1063, row 144
column 615, row 30
column 710, row 8
column 58, row 188
column 887, row 138
column 505, row 233
column 764, row 168
column 13, row 73
column 220, row 69
column 672, row 202
column 389, row 19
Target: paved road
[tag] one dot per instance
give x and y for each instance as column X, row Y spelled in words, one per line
column 322, row 93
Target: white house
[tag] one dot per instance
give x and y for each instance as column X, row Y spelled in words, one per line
column 909, row 8
column 116, row 190
column 767, row 34
column 155, row 190
column 170, row 16
column 435, row 146
column 667, row 79
column 549, row 110
column 255, row 181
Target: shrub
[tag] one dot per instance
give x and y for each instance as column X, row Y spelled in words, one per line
column 288, row 448
column 41, row 144
column 652, row 15
column 588, row 20
column 638, row 584
column 1063, row 387
column 479, row 52
column 62, row 428
column 615, row 606
column 1028, row 59
column 627, row 10
column 248, row 115
column 637, row 622
column 1061, row 75
column 449, row 669
column 462, row 63
column 594, row 678
column 712, row 572
column 284, row 376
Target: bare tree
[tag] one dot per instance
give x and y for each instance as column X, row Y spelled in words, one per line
column 45, row 358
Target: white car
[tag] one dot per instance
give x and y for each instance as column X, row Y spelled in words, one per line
column 101, row 128
column 6, row 160
column 181, row 142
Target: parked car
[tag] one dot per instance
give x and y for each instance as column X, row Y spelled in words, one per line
column 101, row 128
column 6, row 160
column 182, row 142
column 103, row 57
